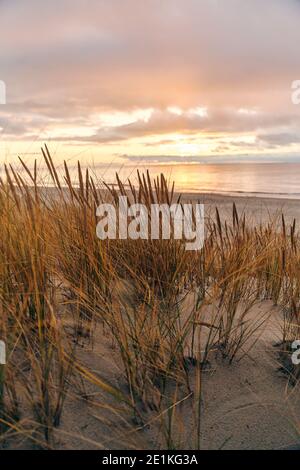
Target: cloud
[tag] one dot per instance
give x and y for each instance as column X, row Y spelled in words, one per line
column 164, row 52
column 201, row 159
column 64, row 61
column 164, row 122
column 278, row 139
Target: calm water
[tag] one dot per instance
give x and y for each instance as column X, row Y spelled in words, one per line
column 256, row 179
column 262, row 179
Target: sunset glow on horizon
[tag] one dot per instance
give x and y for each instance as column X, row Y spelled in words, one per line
column 123, row 80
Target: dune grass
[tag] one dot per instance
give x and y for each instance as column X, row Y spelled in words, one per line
column 60, row 283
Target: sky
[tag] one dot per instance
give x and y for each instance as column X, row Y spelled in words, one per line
column 158, row 80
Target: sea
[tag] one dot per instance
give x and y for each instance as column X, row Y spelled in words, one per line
column 275, row 180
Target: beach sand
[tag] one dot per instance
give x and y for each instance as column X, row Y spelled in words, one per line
column 245, row 405
column 257, row 209
column 248, row 404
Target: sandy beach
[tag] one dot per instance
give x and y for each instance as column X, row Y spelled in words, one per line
column 230, row 384
column 257, row 209
column 248, row 405
column 149, row 231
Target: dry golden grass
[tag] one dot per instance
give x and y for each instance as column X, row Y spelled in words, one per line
column 55, row 272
